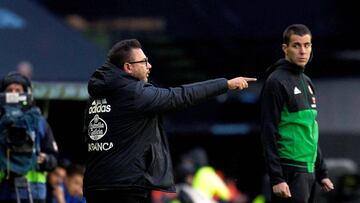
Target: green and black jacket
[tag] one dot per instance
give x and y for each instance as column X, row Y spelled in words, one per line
column 289, row 129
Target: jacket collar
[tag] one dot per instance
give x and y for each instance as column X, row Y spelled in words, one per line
column 285, row 64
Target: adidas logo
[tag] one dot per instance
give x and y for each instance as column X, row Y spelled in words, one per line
column 99, row 101
column 99, row 106
column 296, row 90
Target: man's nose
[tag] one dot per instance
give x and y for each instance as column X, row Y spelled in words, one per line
column 302, row 51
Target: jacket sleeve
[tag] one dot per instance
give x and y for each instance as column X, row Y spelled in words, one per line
column 272, row 101
column 321, row 171
column 152, row 99
column 49, row 147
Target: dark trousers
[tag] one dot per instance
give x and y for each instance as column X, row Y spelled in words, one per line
column 116, row 197
column 302, row 188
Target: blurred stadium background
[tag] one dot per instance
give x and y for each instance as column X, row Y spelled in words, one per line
column 188, row 41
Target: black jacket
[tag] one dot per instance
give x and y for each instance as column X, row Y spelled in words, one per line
column 288, row 123
column 126, row 144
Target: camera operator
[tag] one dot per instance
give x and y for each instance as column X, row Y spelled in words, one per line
column 27, row 145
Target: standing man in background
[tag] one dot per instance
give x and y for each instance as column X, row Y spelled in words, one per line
column 25, row 68
column 128, row 152
column 288, row 123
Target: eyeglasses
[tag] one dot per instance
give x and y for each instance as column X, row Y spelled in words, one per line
column 145, row 60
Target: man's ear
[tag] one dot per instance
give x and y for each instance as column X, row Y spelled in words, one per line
column 127, row 68
column 311, row 56
column 284, row 46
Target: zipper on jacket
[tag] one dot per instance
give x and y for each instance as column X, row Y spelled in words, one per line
column 306, row 92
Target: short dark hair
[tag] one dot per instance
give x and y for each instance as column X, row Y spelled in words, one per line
column 121, row 51
column 75, row 169
column 295, row 29
column 63, row 163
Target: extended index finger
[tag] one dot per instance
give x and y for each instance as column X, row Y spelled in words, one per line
column 250, row 79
